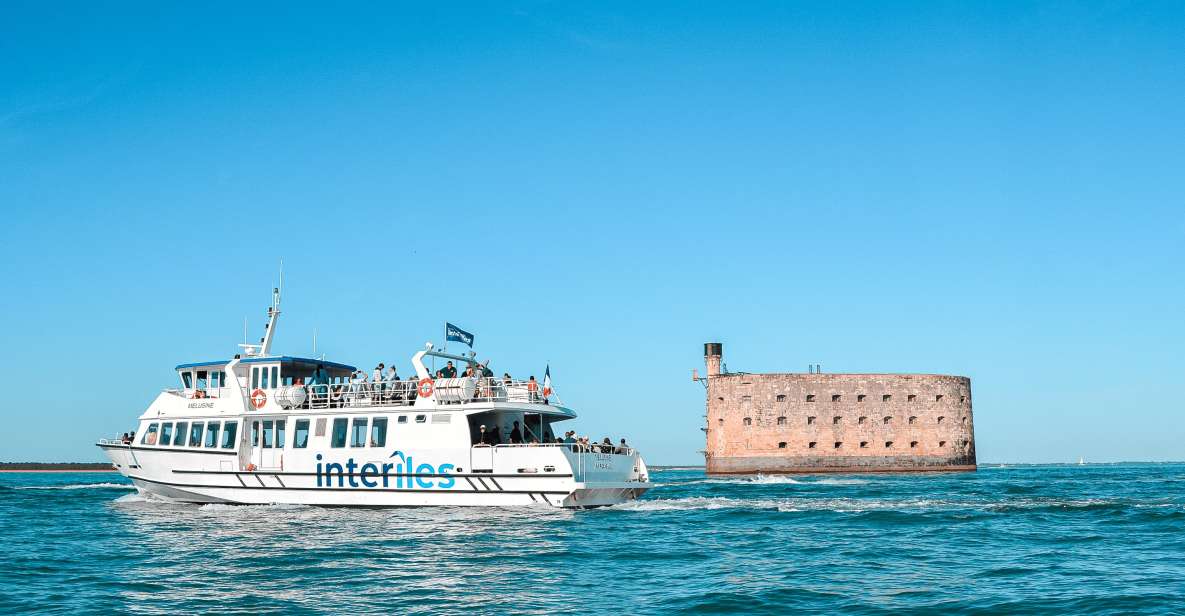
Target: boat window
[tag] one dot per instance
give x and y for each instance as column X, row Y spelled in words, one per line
column 228, row 434
column 378, row 432
column 166, row 434
column 269, row 433
column 358, row 434
column 212, row 434
column 255, row 433
column 187, row 379
column 182, row 430
column 338, row 438
column 421, row 418
column 149, row 437
column 320, row 426
column 195, row 434
column 279, row 434
column 217, row 379
column 203, row 379
column 275, row 376
column 403, row 419
column 300, row 440
column 264, row 380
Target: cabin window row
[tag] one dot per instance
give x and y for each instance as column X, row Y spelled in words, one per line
column 203, row 379
column 196, row 434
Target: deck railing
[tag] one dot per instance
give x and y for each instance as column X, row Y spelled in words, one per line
column 404, row 393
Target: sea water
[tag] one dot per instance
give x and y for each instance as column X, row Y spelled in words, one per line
column 1017, row 539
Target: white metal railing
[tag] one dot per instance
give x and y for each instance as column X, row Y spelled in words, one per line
column 574, row 447
column 195, row 394
column 405, row 393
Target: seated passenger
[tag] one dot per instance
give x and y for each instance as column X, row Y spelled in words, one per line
column 570, row 437
column 449, row 371
column 622, row 448
column 606, row 446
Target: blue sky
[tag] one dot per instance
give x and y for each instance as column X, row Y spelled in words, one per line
column 985, row 189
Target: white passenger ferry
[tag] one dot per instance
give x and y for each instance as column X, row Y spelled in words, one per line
column 262, row 429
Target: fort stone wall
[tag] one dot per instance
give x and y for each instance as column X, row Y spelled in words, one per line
column 810, row 423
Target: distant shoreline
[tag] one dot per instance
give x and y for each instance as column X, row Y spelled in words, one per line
column 56, row 467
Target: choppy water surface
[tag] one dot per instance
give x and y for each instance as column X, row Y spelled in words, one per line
column 1053, row 539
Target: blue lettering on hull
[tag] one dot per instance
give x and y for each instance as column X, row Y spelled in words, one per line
column 404, row 472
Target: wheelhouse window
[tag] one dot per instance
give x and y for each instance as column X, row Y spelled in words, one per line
column 340, row 427
column 182, row 430
column 254, row 377
column 150, row 435
column 212, row 434
column 195, row 434
column 378, row 432
column 228, row 434
column 358, row 434
column 187, row 379
column 263, row 379
column 275, row 376
column 203, row 379
column 166, row 434
column 300, row 440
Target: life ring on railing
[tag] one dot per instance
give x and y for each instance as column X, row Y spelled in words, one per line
column 425, row 388
column 258, row 398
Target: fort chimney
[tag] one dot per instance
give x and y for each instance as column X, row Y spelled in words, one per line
column 713, row 353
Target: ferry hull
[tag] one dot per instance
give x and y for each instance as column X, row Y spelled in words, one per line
column 176, row 477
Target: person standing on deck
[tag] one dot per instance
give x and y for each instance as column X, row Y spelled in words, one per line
column 516, row 436
column 449, row 371
column 376, row 377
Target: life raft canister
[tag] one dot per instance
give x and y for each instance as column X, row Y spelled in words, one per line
column 425, row 388
column 258, row 398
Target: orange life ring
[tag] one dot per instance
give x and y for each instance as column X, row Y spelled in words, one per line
column 250, row 467
column 425, row 388
column 258, row 398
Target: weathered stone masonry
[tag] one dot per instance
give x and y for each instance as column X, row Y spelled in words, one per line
column 811, row 423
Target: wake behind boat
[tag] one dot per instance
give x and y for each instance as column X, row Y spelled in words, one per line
column 263, row 429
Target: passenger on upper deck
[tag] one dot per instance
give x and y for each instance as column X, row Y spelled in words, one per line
column 376, row 377
column 449, row 371
column 622, row 448
column 533, row 389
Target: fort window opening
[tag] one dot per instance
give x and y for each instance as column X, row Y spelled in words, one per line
column 835, row 420
column 782, row 445
column 404, row 420
column 838, row 444
column 720, row 398
column 938, row 398
column 964, row 420
column 886, row 397
column 888, row 420
column 748, row 421
column 912, row 398
column 746, row 398
column 781, row 397
column 913, row 420
column 862, row 420
column 835, row 397
column 811, row 445
column 940, row 418
column 888, row 444
column 962, row 399
column 810, row 420
column 860, row 397
column 942, row 443
column 863, row 444
column 781, row 421
column 810, row 397
column 913, row 444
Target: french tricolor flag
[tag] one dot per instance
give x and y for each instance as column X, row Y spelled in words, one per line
column 547, row 381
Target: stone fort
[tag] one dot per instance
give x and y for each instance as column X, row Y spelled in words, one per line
column 816, row 422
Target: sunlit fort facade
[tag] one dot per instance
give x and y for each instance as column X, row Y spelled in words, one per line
column 814, row 422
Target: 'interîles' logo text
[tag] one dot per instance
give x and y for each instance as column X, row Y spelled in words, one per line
column 398, row 474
